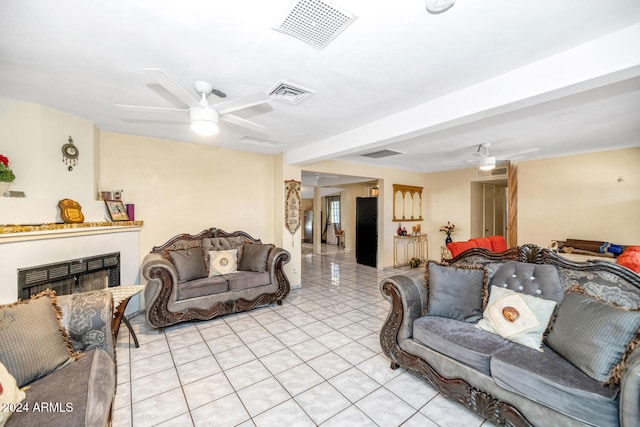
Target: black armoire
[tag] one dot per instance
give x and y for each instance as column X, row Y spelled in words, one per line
column 367, row 231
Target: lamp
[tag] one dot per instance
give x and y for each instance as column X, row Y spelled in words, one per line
column 204, row 121
column 487, row 163
column 439, row 6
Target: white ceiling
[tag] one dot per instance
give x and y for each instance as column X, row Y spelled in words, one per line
column 559, row 76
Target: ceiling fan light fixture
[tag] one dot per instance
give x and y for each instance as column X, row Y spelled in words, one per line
column 487, row 163
column 204, row 121
column 439, row 6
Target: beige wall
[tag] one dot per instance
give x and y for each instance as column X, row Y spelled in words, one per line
column 185, row 188
column 592, row 196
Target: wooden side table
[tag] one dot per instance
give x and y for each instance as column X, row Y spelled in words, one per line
column 121, row 297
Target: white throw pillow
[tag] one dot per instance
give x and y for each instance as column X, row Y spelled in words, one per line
column 223, row 262
column 10, row 394
column 517, row 317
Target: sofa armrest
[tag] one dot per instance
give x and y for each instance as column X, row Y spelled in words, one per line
column 278, row 257
column 408, row 297
column 160, row 291
column 88, row 317
column 630, row 391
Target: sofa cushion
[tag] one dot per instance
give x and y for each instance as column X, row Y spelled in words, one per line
column 455, row 292
column 189, row 263
column 550, row 379
column 10, row 394
column 33, row 340
column 517, row 317
column 482, row 242
column 254, row 257
column 223, row 262
column 532, row 279
column 456, row 248
column 78, row 394
column 202, row 287
column 593, row 335
column 498, row 244
column 247, row 279
column 458, row 340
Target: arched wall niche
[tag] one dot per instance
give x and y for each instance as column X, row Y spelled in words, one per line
column 407, row 203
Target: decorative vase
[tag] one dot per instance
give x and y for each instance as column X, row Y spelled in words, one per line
column 4, row 187
column 448, row 239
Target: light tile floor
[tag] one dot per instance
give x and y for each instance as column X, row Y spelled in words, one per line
column 315, row 360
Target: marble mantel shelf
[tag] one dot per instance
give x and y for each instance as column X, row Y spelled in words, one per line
column 20, row 232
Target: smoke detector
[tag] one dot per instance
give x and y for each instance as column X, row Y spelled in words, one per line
column 314, row 21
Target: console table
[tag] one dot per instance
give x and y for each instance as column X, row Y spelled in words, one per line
column 410, row 247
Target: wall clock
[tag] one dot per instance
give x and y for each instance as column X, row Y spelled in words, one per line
column 70, row 154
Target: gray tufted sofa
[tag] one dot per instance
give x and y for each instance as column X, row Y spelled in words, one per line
column 507, row 382
column 182, row 284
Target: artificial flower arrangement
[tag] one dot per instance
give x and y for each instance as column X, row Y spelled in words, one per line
column 6, row 174
column 448, row 229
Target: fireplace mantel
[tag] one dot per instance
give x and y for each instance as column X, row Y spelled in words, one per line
column 24, row 232
column 27, row 245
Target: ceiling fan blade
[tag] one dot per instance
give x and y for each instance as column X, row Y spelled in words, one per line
column 240, row 103
column 146, row 108
column 169, row 84
column 255, row 129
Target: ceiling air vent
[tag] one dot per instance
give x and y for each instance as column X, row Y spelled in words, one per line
column 382, row 153
column 289, row 93
column 499, row 172
column 314, row 22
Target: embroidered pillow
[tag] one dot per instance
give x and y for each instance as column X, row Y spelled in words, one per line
column 517, row 317
column 223, row 262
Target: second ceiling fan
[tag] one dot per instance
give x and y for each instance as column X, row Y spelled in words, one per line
column 205, row 117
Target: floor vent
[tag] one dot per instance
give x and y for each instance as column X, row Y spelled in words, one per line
column 382, row 153
column 314, row 22
column 289, row 93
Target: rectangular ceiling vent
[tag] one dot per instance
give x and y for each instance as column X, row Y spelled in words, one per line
column 500, row 172
column 382, row 153
column 314, row 21
column 289, row 93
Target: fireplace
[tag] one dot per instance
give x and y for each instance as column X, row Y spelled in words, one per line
column 71, row 276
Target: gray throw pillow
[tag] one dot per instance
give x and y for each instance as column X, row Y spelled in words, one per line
column 594, row 335
column 189, row 263
column 33, row 342
column 455, row 292
column 254, row 257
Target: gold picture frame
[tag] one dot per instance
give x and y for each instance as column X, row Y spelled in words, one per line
column 117, row 210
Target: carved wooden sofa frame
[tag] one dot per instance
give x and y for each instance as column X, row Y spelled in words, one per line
column 482, row 403
column 158, row 293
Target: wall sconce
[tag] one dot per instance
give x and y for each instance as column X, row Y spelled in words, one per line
column 70, row 154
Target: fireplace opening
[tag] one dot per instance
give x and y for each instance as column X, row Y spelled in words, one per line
column 71, row 276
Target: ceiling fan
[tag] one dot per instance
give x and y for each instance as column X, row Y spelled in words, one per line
column 488, row 162
column 205, row 117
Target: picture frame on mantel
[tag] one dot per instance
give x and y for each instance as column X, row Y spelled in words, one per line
column 117, row 210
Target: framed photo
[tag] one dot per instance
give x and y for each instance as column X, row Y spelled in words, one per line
column 117, row 211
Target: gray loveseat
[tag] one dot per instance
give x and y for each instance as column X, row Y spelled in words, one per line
column 62, row 386
column 437, row 329
column 213, row 273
